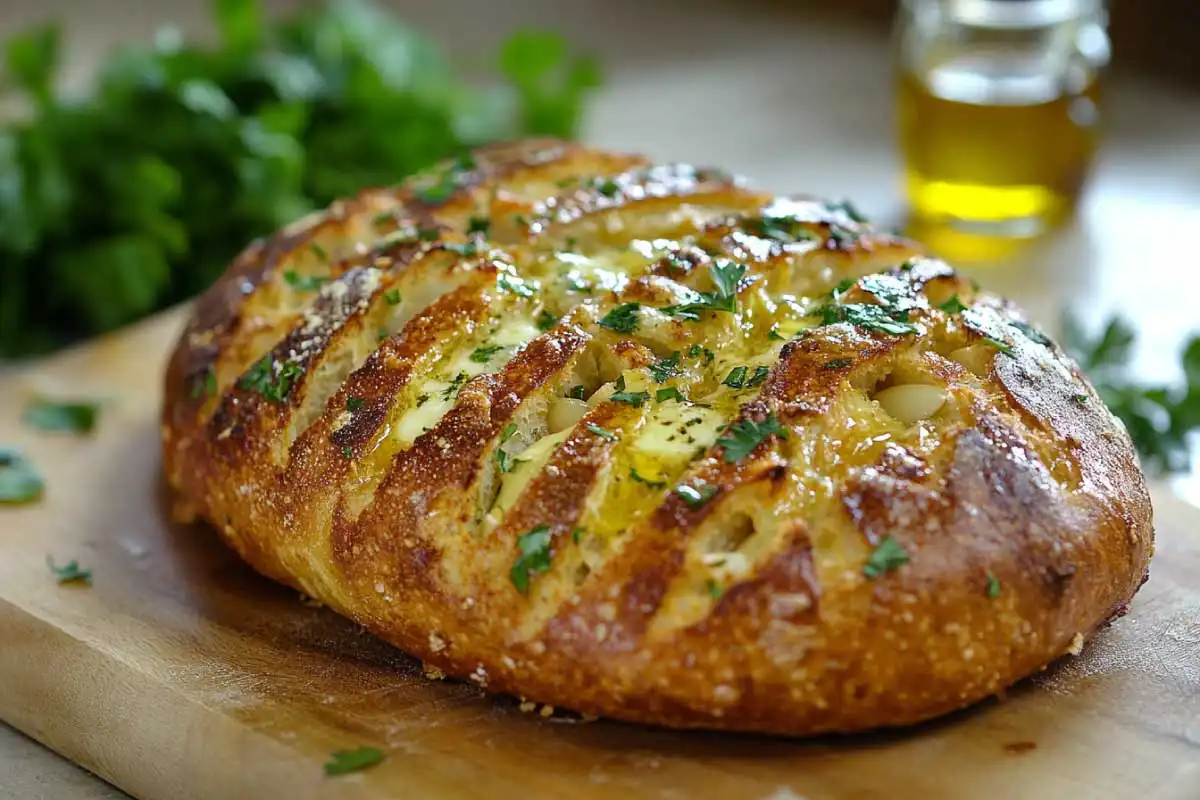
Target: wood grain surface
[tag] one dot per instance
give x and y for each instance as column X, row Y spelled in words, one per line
column 181, row 674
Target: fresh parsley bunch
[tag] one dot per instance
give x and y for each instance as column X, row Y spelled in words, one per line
column 137, row 195
column 1161, row 419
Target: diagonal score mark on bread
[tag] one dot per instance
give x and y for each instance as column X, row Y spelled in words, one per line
column 639, row 441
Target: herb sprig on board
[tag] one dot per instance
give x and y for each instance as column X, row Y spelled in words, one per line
column 1161, row 419
column 138, row 193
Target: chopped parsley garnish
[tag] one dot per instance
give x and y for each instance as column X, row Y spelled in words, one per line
column 736, row 378
column 787, row 230
column 514, row 285
column 381, row 334
column 607, row 187
column 270, row 378
column 869, row 317
column 633, row 473
column 19, row 480
column 622, row 319
column 73, row 417
column 347, row 451
column 534, row 558
column 603, row 433
column 482, row 355
column 304, row 283
column 1079, row 398
column 429, row 234
column 760, row 375
column 571, row 243
column 837, row 363
column 576, row 535
column 207, row 385
column 670, row 393
column 342, row 762
column 952, row 306
column 578, row 392
column 445, row 183
column 318, row 251
column 714, row 589
column 480, row 225
column 503, row 458
column 993, row 587
column 384, row 217
column 519, row 220
column 741, row 438
column 354, row 403
column 726, row 275
column 704, row 353
column 70, row 572
column 546, row 321
column 634, row 399
column 999, row 345
column 841, row 236
column 392, row 296
column 695, row 496
column 664, row 368
column 455, row 386
column 1031, row 333
column 887, row 556
column 774, row 334
column 842, row 286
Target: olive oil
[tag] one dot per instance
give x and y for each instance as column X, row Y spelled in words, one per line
column 998, row 110
column 1014, row 157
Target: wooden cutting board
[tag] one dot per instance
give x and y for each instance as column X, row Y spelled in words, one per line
column 181, row 674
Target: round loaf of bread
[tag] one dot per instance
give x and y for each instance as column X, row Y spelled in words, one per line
column 637, row 441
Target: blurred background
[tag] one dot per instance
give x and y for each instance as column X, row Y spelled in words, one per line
column 1052, row 146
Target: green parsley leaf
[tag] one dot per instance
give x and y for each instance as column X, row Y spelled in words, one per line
column 787, row 230
column 455, row 386
column 999, row 345
column 206, row 386
column 622, row 319
column 952, row 306
column 392, row 296
column 270, row 379
column 743, row 437
column 887, row 556
column 706, row 355
column 774, row 335
column 318, row 251
column 576, row 535
column 514, row 285
column 354, row 403
column 71, row 417
column 607, row 187
column 736, row 378
column 695, row 496
column 347, row 451
column 1079, row 398
column 1031, row 333
column 714, row 589
column 534, row 558
column 841, row 236
column 578, row 392
column 726, row 275
column 546, row 321
column 342, row 762
column 480, row 225
column 837, row 363
column 633, row 473
column 482, row 355
column 70, row 572
column 635, row 399
column 429, row 234
column 462, row 248
column 603, row 433
column 664, row 368
column 993, row 587
column 760, row 375
column 304, row 283
column 670, row 393
column 19, row 480
column 847, row 208
column 503, row 459
column 381, row 334
column 869, row 317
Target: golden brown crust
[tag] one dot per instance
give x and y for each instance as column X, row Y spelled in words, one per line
column 493, row 415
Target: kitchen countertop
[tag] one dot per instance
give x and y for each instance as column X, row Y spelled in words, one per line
column 795, row 102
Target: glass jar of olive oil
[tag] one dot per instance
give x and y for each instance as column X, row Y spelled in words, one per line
column 998, row 109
